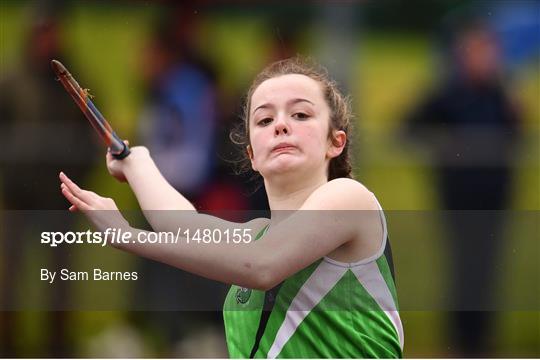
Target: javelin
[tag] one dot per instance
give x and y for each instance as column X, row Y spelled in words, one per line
column 117, row 147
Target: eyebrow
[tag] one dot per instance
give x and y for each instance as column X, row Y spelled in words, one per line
column 290, row 102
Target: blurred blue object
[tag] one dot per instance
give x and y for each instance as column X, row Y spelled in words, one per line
column 517, row 23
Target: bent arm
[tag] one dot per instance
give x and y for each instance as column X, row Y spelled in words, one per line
column 150, row 187
column 165, row 208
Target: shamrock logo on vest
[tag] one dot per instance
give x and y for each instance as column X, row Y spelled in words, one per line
column 242, row 295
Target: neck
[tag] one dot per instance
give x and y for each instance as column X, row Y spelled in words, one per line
column 288, row 195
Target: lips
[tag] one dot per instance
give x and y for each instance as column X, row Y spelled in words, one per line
column 283, row 147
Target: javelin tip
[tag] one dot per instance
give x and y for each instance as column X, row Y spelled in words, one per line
column 58, row 68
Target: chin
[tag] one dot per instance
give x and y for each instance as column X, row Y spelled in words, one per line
column 282, row 165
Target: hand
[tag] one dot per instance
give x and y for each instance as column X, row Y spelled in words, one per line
column 117, row 168
column 101, row 211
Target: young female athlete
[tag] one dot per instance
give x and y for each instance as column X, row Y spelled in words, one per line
column 317, row 282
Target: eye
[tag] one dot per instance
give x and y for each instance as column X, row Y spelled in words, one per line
column 264, row 121
column 300, row 116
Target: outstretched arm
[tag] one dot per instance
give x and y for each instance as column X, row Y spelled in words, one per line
column 289, row 246
column 227, row 262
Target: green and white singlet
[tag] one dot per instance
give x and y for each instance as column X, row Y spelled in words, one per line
column 329, row 309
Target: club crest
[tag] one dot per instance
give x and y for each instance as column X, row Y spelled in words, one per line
column 242, row 295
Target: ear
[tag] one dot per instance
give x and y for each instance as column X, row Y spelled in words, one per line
column 336, row 144
column 249, row 151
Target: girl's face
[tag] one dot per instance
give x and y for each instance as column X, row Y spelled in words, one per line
column 289, row 122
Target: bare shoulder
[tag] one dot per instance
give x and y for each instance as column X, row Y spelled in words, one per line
column 341, row 194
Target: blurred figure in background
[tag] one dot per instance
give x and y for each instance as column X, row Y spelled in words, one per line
column 470, row 124
column 41, row 132
column 182, row 100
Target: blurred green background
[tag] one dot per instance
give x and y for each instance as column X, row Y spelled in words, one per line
column 392, row 65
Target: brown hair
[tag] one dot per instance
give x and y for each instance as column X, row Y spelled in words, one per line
column 340, row 111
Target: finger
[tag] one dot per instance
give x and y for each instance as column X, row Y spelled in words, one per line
column 73, row 208
column 74, row 188
column 126, row 142
column 69, row 183
column 69, row 194
column 74, row 200
column 88, row 197
column 65, row 189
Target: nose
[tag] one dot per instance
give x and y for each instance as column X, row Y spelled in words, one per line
column 281, row 126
